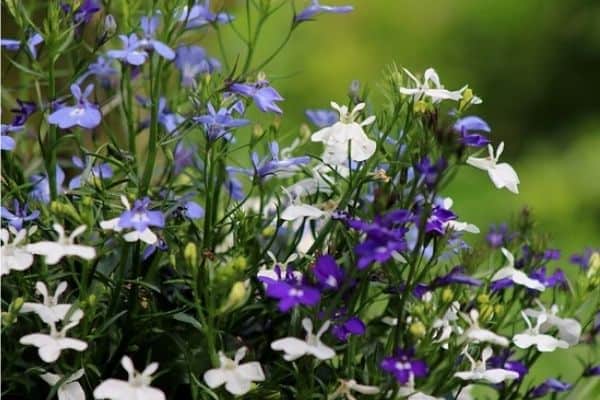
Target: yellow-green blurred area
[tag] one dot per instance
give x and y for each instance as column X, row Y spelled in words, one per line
column 535, row 63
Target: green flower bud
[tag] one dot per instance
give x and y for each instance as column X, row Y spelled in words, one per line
column 238, row 295
column 190, row 253
column 447, row 295
column 417, row 329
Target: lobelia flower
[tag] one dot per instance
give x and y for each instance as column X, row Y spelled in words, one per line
column 192, row 61
column 34, row 40
column 430, row 172
column 455, row 276
column 296, row 210
column 348, row 386
column 479, row 372
column 346, row 132
column 476, row 334
column 502, row 361
column 15, row 255
column 558, row 278
column 262, row 93
column 51, row 311
column 583, row 259
column 219, row 124
column 149, row 43
column 19, row 216
column 237, row 377
column 453, row 224
column 184, row 156
column 322, row 118
column 290, row 289
column 464, row 126
column 533, row 337
column 101, row 171
column 569, row 329
column 430, row 87
column 592, row 370
column 137, row 385
column 102, row 69
column 328, row 272
column 550, row 385
column 138, row 218
column 274, row 166
column 444, row 328
column 404, row 366
column 69, row 389
column 169, row 120
column 200, row 15
column 344, row 326
column 22, row 112
column 316, row 8
column 517, row 276
column 502, row 175
column 63, row 246
column 51, row 345
column 6, row 142
column 83, row 113
column 295, row 348
column 498, row 236
column 41, row 185
column 132, row 52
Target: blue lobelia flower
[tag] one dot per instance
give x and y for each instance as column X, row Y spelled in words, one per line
column 149, row 43
column 290, row 290
column 233, row 185
column 41, row 185
column 219, row 124
column 140, row 218
column 315, row 8
column 549, row 386
column 322, row 118
column 557, row 278
column 430, row 172
column 83, row 113
column 270, row 166
column 85, row 12
column 102, row 69
column 328, row 272
column 132, row 52
column 592, row 370
column 498, row 236
column 6, row 142
column 32, row 42
column 264, row 96
column 583, row 259
column 101, row 171
column 19, row 215
column 436, row 223
column 192, row 61
column 404, row 366
column 23, row 111
column 465, row 126
column 200, row 15
column 183, row 156
column 344, row 325
column 456, row 276
column 502, row 360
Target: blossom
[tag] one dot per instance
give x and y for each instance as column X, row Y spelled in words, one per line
column 464, row 126
column 15, row 255
column 557, row 278
column 498, row 236
column 219, row 124
column 200, row 15
column 550, row 385
column 290, row 289
column 102, row 68
column 149, row 43
column 502, row 361
column 322, row 118
column 19, row 216
column 192, row 61
column 343, row 326
column 346, row 132
column 404, row 366
column 517, row 276
column 63, row 246
column 475, row 333
column 272, row 165
column 430, row 87
column 533, row 337
column 101, row 171
column 328, row 272
column 316, row 8
column 69, row 389
column 237, row 377
column 502, row 175
column 23, row 111
column 51, row 345
column 479, row 372
column 592, row 370
column 348, row 386
column 34, row 40
column 429, row 171
column 583, row 259
column 295, row 348
column 132, row 52
column 82, row 113
column 41, row 185
column 139, row 219
column 569, row 329
column 6, row 142
column 51, row 311
column 137, row 385
column 444, row 327
column 262, row 93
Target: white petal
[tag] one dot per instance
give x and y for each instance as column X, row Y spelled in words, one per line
column 569, row 330
column 503, row 175
column 70, row 343
column 484, row 335
column 51, row 379
column 519, row 277
column 466, row 375
column 214, row 377
column 127, row 365
column 524, row 340
column 321, row 351
column 149, row 393
column 51, row 250
column 251, row 371
column 114, row 389
column 296, row 211
column 85, row 252
column 497, row 375
column 237, row 385
column 71, row 391
column 482, row 163
column 293, row 347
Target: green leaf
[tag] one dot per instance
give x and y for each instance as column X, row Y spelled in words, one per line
column 188, row 319
column 378, row 304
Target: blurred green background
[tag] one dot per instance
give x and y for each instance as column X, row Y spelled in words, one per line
column 535, row 63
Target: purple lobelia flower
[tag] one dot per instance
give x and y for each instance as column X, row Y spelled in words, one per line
column 436, row 223
column 183, row 156
column 19, row 215
column 345, row 326
column 192, row 61
column 200, row 15
column 592, row 370
column 322, row 118
column 501, row 284
column 272, row 165
column 168, row 119
column 149, row 43
column 583, row 259
column 502, row 360
column 465, row 126
column 404, row 366
column 23, row 111
column 101, row 171
column 32, row 42
column 233, row 185
column 557, row 278
column 456, row 275
column 85, row 12
column 551, row 254
column 549, row 386
column 6, row 142
column 102, row 69
column 290, row 289
column 41, row 185
column 498, row 236
column 140, row 218
column 219, row 124
column 83, row 113
column 132, row 52
column 328, row 272
column 316, row 8
column 430, row 172
column 264, row 96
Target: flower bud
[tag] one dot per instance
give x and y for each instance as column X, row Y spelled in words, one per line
column 65, row 210
column 238, row 295
column 190, row 253
column 499, row 309
column 16, row 305
column 447, row 295
column 91, row 300
column 417, row 329
column 486, row 312
column 483, row 299
column 305, row 132
column 110, row 25
column 269, row 231
column 257, row 131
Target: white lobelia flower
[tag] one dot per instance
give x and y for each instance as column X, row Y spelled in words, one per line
column 479, row 372
column 295, row 348
column 51, row 311
column 69, row 389
column 346, row 133
column 14, row 255
column 348, row 386
column 569, row 329
column 136, row 387
column 63, row 247
column 50, row 345
column 476, row 334
column 517, row 276
column 430, row 87
column 237, row 377
column 533, row 337
column 444, row 327
column 502, row 175
column 457, row 226
column 409, row 392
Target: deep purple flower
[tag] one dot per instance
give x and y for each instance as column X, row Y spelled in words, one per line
column 23, row 111
column 322, row 118
column 436, row 223
column 329, row 274
column 290, row 290
column 551, row 254
column 83, row 113
column 502, row 360
column 264, row 96
column 315, row 8
column 149, row 43
column 272, row 165
column 132, row 52
column 430, row 172
column 219, row 124
column 465, row 126
column 32, row 42
column 19, row 215
column 419, row 290
column 501, row 284
column 371, row 251
column 498, row 236
column 201, row 15
column 85, row 11
column 456, row 275
column 41, row 185
column 550, row 385
column 140, row 217
column 101, row 171
column 592, row 370
column 404, row 366
column 343, row 327
column 151, row 249
column 583, row 259
column 192, row 61
column 558, row 278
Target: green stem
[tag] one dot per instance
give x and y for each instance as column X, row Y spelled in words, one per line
column 51, row 163
column 152, row 147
